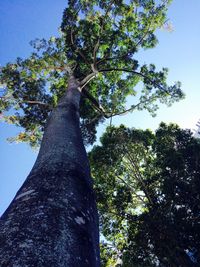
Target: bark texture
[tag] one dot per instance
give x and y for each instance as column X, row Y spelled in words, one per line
column 53, row 219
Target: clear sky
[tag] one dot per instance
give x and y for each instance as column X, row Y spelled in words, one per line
column 22, row 21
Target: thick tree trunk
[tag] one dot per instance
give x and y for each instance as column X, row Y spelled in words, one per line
column 53, row 219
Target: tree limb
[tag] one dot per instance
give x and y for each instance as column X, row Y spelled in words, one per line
column 131, row 108
column 138, row 175
column 101, row 31
column 131, row 188
column 76, row 49
column 94, row 102
column 36, row 103
column 99, row 107
column 136, row 73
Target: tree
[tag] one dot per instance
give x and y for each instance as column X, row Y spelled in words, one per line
column 53, row 216
column 147, row 188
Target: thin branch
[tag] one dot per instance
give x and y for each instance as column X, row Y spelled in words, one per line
column 76, row 49
column 137, row 44
column 32, row 102
column 113, row 58
column 36, row 103
column 131, row 108
column 136, row 73
column 89, row 77
column 148, row 30
column 94, row 102
column 142, row 38
column 111, row 120
column 86, row 80
column 95, row 50
column 55, row 68
column 138, row 175
column 4, row 97
column 123, row 56
column 93, row 120
column 101, row 31
column 125, row 70
column 132, row 190
column 99, row 107
column 82, row 89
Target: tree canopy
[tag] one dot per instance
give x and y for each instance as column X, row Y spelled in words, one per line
column 98, row 44
column 147, row 188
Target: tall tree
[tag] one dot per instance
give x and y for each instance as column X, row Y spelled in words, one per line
column 53, row 218
column 147, row 189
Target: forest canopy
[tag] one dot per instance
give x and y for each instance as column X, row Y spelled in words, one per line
column 98, row 43
column 147, row 187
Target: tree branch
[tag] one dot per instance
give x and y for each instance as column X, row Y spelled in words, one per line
column 99, row 107
column 89, row 77
column 32, row 102
column 76, row 49
column 136, row 73
column 138, row 175
column 123, row 69
column 131, row 189
column 131, row 108
column 100, row 32
column 82, row 89
column 94, row 102
column 35, row 103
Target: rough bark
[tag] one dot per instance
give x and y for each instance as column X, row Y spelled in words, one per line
column 53, row 219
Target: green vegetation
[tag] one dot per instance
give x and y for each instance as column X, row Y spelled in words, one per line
column 146, row 184
column 98, row 44
column 147, row 188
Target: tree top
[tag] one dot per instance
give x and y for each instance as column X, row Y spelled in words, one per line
column 98, row 44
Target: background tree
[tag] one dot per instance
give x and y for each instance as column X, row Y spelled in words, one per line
column 96, row 49
column 148, row 197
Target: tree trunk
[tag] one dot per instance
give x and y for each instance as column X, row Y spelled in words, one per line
column 53, row 219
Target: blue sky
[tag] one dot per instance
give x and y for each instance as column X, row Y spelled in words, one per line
column 22, row 21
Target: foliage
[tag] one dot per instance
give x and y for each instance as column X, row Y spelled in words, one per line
column 98, row 45
column 147, row 188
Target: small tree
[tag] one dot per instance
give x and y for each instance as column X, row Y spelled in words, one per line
column 147, row 189
column 53, row 216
